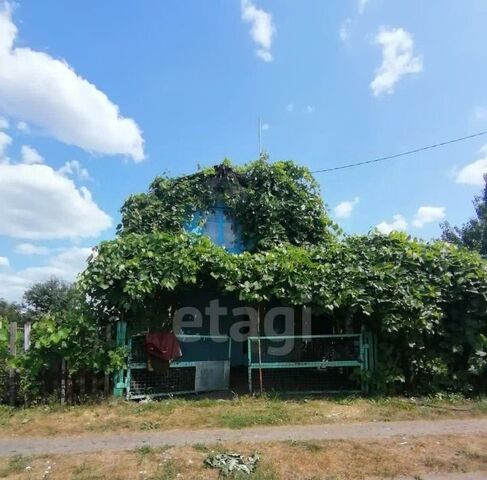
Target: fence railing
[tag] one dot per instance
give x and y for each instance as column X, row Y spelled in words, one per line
column 312, row 363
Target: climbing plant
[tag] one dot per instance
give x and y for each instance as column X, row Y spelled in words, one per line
column 427, row 302
column 273, row 203
column 70, row 332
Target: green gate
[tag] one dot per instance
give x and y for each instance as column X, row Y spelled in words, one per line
column 203, row 367
column 314, row 364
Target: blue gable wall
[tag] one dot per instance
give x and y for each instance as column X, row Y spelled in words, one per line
column 220, row 226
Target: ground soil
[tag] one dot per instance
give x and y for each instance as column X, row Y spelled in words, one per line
column 355, row 431
column 426, row 457
column 234, row 413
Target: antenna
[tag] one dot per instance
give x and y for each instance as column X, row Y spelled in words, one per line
column 260, row 138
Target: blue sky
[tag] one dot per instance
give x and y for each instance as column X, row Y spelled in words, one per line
column 97, row 98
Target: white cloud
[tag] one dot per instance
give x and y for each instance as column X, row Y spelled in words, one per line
column 40, row 203
column 261, row 28
column 74, row 168
column 428, row 214
column 344, row 31
column 290, row 107
column 4, row 262
column 23, row 127
column 398, row 223
column 5, row 142
column 47, row 92
column 473, row 173
column 30, row 249
column 344, row 209
column 30, row 155
column 397, row 59
column 65, row 265
column 3, row 123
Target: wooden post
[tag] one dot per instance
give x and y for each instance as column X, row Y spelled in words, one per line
column 261, row 383
column 119, row 376
column 82, row 385
column 94, row 385
column 13, row 353
column 69, row 386
column 63, row 381
column 106, row 384
column 27, row 328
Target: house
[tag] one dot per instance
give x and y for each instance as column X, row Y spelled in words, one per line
column 210, row 257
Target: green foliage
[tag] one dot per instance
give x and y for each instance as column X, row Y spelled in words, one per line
column 67, row 331
column 9, row 311
column 272, row 203
column 15, row 465
column 52, row 295
column 473, row 234
column 427, row 302
column 3, row 357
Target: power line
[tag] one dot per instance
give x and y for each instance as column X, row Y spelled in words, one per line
column 402, row 154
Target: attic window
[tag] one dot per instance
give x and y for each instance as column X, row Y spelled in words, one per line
column 218, row 225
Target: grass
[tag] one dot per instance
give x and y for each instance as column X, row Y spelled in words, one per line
column 15, row 464
column 240, row 412
column 337, row 460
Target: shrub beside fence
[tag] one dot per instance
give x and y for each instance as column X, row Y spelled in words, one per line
column 56, row 382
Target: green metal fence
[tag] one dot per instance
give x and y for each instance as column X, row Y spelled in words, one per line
column 204, row 366
column 313, row 363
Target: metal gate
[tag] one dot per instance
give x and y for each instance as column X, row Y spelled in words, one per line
column 313, row 363
column 203, row 367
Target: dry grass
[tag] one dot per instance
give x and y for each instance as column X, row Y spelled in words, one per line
column 337, row 460
column 119, row 416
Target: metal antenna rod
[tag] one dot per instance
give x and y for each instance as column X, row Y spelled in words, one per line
column 260, row 138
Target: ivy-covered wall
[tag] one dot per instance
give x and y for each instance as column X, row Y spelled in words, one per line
column 272, row 203
column 427, row 302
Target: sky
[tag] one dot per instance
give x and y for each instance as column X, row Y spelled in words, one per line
column 97, row 98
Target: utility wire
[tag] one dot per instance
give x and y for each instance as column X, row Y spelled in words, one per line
column 402, row 154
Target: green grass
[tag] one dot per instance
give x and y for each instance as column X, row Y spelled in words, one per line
column 272, row 414
column 15, row 464
column 167, row 471
column 144, row 450
column 85, row 472
column 237, row 413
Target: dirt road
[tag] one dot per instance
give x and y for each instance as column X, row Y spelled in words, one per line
column 129, row 441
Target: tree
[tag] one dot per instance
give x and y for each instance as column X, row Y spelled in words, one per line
column 50, row 296
column 472, row 234
column 9, row 311
column 63, row 329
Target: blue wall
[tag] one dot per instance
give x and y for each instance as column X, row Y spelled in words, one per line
column 220, row 226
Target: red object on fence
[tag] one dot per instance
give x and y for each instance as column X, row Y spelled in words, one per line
column 162, row 345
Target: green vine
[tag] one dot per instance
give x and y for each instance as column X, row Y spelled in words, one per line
column 426, row 302
column 272, row 203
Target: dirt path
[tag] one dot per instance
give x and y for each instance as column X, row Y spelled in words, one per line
column 445, row 476
column 129, row 441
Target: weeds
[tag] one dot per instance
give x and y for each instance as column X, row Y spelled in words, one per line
column 15, row 464
column 272, row 413
column 85, row 471
column 144, row 450
column 150, row 425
